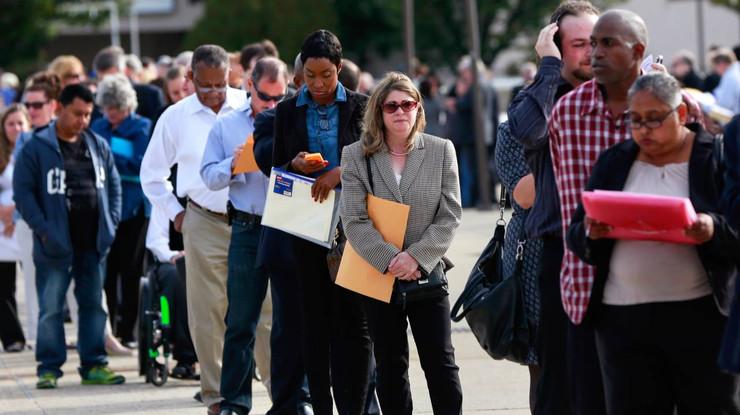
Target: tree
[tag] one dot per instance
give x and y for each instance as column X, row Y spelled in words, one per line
column 26, row 31
column 731, row 4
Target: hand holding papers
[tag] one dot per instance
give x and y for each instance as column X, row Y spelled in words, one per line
column 246, row 163
column 639, row 216
column 291, row 208
column 356, row 274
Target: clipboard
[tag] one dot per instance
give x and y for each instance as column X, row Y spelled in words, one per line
column 290, row 208
column 246, row 163
column 638, row 216
column 355, row 274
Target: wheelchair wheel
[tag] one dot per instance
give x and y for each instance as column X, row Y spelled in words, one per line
column 145, row 329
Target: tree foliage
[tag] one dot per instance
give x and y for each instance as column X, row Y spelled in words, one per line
column 26, row 30
column 731, row 4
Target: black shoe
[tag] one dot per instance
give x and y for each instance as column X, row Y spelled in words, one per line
column 228, row 411
column 305, row 409
column 185, row 372
column 198, row 397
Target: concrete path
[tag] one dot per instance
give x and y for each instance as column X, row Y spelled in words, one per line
column 490, row 387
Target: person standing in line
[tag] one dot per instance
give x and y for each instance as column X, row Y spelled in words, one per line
column 323, row 117
column 564, row 50
column 180, row 138
column 584, row 122
column 65, row 179
column 128, row 135
column 246, row 283
column 13, row 122
column 662, row 307
column 419, row 170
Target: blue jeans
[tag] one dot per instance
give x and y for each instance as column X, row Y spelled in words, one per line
column 245, row 288
column 467, row 163
column 52, row 282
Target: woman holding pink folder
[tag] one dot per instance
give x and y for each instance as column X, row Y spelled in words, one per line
column 663, row 305
column 395, row 161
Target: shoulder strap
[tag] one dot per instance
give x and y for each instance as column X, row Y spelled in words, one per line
column 370, row 174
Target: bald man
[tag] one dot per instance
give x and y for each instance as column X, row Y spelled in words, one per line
column 588, row 120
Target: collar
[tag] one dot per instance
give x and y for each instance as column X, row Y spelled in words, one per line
column 593, row 99
column 304, row 97
column 246, row 109
column 234, row 99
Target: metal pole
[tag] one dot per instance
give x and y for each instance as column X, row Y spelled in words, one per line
column 134, row 28
column 484, row 189
column 700, row 30
column 409, row 41
column 115, row 24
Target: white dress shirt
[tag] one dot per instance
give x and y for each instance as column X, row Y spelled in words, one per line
column 158, row 236
column 180, row 138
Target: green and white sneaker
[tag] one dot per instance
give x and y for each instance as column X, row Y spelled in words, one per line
column 47, row 380
column 102, row 375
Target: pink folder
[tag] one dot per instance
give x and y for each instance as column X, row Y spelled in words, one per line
column 640, row 216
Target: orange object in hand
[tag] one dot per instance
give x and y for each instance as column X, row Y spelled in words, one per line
column 314, row 157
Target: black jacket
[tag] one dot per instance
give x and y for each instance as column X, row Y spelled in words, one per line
column 718, row 255
column 291, row 132
column 151, row 101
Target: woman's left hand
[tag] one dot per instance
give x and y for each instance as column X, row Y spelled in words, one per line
column 325, row 183
column 404, row 267
column 702, row 230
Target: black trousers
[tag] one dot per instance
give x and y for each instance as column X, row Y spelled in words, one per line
column 10, row 327
column 551, row 395
column 658, row 358
column 336, row 342
column 586, row 387
column 430, row 325
column 125, row 263
column 173, row 287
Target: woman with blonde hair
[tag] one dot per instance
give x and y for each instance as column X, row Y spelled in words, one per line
column 396, row 161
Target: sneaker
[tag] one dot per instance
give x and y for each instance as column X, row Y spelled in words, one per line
column 47, row 380
column 102, row 375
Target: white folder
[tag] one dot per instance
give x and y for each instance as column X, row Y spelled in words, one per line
column 290, row 208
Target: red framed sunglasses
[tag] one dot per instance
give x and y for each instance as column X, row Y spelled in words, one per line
column 406, row 105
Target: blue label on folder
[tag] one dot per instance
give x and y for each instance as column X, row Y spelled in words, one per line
column 283, row 186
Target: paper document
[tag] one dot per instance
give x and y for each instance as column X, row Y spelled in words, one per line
column 122, row 147
column 290, row 208
column 639, row 216
column 246, row 162
column 390, row 219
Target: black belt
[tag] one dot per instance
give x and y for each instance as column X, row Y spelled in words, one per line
column 223, row 216
column 241, row 216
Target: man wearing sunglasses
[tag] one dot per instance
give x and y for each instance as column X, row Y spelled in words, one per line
column 247, row 284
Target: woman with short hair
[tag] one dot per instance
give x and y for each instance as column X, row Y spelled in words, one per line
column 128, row 135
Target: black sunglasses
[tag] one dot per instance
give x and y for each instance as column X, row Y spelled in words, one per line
column 37, row 105
column 406, row 105
column 265, row 97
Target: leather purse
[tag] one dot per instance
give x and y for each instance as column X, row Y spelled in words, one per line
column 493, row 304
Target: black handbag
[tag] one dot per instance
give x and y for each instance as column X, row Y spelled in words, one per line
column 493, row 304
column 430, row 285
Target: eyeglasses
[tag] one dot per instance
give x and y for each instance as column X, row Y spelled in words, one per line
column 37, row 105
column 392, row 106
column 265, row 97
column 650, row 124
column 207, row 90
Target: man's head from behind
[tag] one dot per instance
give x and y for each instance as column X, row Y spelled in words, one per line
column 721, row 60
column 75, row 108
column 618, row 43
column 575, row 20
column 350, row 75
column 268, row 84
column 109, row 61
column 209, row 72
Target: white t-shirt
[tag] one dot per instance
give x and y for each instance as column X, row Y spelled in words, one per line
column 9, row 251
column 649, row 271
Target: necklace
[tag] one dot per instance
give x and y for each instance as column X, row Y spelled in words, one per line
column 393, row 153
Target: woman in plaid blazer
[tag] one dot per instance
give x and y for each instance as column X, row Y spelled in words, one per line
column 419, row 170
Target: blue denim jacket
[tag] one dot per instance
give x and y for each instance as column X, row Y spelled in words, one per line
column 322, row 123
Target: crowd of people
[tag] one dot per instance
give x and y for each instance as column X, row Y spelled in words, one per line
column 133, row 171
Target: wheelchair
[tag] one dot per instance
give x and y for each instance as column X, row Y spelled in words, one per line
column 154, row 328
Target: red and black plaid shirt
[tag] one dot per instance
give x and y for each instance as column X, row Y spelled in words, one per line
column 581, row 127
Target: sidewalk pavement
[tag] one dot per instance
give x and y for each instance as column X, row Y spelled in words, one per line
column 489, row 387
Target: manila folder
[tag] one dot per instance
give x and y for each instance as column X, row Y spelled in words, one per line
column 356, row 274
column 246, row 162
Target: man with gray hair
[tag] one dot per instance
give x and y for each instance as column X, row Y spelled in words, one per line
column 112, row 60
column 247, row 284
column 180, row 137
